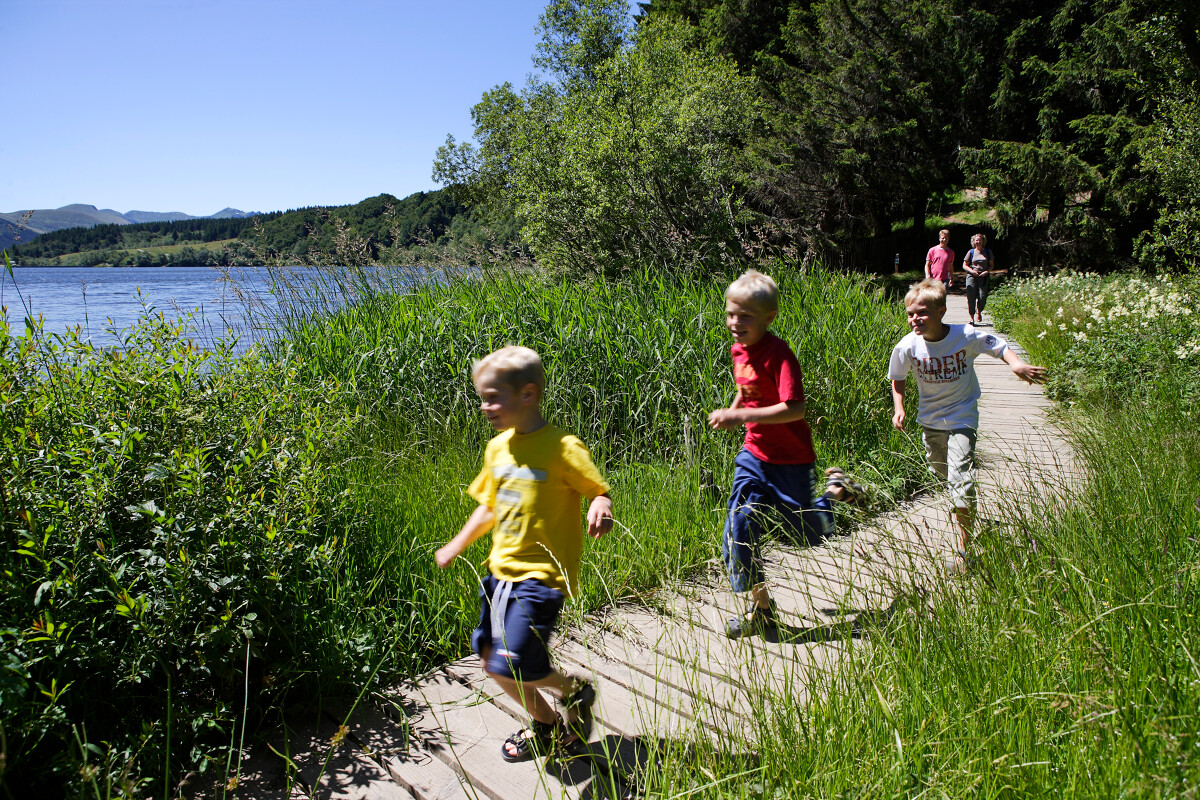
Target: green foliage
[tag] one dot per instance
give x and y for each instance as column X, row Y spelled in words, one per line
column 382, row 224
column 634, row 364
column 578, row 36
column 641, row 163
column 101, row 244
column 384, row 228
column 1172, row 152
column 743, row 30
column 166, row 515
column 868, row 97
column 1060, row 157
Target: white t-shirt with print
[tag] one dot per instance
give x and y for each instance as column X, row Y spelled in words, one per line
column 947, row 389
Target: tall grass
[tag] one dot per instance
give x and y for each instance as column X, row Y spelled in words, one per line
column 1066, row 664
column 634, row 365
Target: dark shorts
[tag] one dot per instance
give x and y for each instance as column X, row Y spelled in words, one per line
column 515, row 623
column 766, row 496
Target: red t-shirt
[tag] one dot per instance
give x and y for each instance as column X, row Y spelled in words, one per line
column 941, row 262
column 767, row 373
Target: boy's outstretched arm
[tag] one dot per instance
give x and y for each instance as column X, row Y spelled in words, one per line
column 898, row 404
column 599, row 516
column 786, row 411
column 1026, row 372
column 479, row 523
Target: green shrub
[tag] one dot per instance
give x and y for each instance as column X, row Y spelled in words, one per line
column 166, row 517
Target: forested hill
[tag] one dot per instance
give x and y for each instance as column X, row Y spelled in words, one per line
column 305, row 234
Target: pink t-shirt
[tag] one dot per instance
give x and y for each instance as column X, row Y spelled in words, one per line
column 768, row 373
column 941, row 262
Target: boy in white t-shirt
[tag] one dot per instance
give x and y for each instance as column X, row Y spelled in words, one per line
column 942, row 358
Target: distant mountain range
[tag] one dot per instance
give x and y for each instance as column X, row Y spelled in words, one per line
column 22, row 226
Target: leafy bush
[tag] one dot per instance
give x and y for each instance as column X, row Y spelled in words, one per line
column 165, row 517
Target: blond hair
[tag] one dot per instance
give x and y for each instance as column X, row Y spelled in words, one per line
column 755, row 289
column 982, row 239
column 930, row 290
column 515, row 365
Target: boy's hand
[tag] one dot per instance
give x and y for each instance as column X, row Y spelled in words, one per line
column 1030, row 373
column 479, row 523
column 599, row 516
column 445, row 555
column 724, row 418
column 898, row 420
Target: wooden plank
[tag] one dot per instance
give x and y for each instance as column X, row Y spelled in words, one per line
column 665, row 712
column 679, row 656
column 349, row 774
column 472, row 732
column 261, row 775
column 392, row 732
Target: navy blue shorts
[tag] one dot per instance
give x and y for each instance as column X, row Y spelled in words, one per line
column 762, row 491
column 516, row 619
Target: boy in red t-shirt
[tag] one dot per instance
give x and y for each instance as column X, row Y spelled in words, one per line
column 774, row 470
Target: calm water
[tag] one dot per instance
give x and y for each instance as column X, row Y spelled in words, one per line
column 102, row 300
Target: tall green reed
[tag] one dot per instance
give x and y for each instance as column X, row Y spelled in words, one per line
column 634, row 365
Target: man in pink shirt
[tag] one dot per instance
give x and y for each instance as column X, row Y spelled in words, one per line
column 939, row 261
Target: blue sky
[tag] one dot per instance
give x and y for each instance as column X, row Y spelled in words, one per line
column 263, row 105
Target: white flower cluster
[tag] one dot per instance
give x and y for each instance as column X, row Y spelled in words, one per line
column 1091, row 305
column 1188, row 349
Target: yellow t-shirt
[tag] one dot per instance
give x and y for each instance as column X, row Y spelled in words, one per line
column 533, row 482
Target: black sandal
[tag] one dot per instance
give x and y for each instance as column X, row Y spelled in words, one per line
column 853, row 493
column 536, row 740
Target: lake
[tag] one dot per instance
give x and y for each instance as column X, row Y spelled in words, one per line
column 101, row 300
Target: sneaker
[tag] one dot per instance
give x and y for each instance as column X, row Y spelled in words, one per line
column 756, row 621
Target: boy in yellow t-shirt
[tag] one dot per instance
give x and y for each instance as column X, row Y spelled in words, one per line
column 528, row 492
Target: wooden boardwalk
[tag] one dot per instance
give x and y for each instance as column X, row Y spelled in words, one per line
column 664, row 671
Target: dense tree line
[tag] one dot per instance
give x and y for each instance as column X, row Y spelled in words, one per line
column 378, row 224
column 374, row 229
column 131, row 237
column 700, row 130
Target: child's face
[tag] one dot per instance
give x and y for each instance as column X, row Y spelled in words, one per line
column 747, row 323
column 502, row 404
column 925, row 318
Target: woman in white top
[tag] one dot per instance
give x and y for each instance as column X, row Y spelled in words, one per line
column 978, row 265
